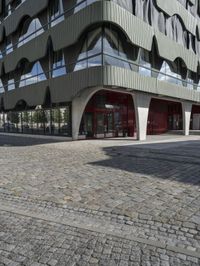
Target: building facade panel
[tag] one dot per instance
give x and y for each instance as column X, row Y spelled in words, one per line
column 62, row 36
column 58, row 58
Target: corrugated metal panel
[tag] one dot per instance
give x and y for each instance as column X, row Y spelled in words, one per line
column 66, row 87
column 32, row 51
column 139, row 32
column 176, row 91
column 67, row 32
column 29, row 8
column 130, row 80
column 171, row 50
column 33, row 95
column 173, row 7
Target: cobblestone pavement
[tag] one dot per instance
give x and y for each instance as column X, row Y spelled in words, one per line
column 105, row 202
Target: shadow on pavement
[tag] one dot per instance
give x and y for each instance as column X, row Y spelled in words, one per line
column 178, row 161
column 16, row 141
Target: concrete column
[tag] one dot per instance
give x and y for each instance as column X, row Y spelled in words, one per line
column 141, row 103
column 187, row 109
column 78, row 106
column 77, row 112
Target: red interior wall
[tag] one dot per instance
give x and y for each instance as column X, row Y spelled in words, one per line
column 158, row 117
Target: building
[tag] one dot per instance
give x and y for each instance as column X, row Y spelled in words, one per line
column 99, row 68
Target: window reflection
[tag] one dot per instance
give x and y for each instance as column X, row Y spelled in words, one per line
column 103, row 46
column 98, row 42
column 35, row 75
column 55, row 121
column 1, row 87
column 167, row 74
column 31, row 29
column 80, row 4
column 9, row 46
column 145, row 65
column 59, row 66
column 11, row 84
column 92, row 46
column 56, row 12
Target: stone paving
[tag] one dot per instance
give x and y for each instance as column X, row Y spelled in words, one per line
column 100, row 202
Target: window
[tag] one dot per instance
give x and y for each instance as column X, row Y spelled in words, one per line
column 9, row 46
column 1, row 87
column 114, row 50
column 7, row 10
column 190, row 80
column 55, row 121
column 102, row 43
column 92, row 46
column 144, row 64
column 59, row 67
column 167, row 73
column 11, row 84
column 80, row 4
column 30, row 30
column 35, row 75
column 127, row 4
column 56, row 12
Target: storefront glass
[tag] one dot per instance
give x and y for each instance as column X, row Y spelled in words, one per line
column 55, row 121
column 108, row 114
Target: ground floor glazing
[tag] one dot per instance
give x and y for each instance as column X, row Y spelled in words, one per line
column 106, row 114
column 112, row 114
column 43, row 121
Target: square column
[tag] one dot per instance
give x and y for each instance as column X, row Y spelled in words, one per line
column 187, row 109
column 141, row 103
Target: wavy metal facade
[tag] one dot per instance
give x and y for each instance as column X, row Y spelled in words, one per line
column 144, row 31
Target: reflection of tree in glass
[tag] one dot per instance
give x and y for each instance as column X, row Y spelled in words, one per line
column 39, row 117
column 57, row 116
column 26, row 117
column 13, row 117
column 66, row 116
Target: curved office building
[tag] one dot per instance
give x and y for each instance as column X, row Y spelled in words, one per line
column 99, row 68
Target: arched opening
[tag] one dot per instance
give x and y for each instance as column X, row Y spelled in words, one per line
column 195, row 118
column 164, row 116
column 108, row 114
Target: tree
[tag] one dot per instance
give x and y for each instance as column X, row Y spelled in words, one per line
column 57, row 116
column 26, row 117
column 13, row 117
column 66, row 116
column 39, row 117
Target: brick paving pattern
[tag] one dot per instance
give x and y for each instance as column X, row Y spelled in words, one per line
column 99, row 202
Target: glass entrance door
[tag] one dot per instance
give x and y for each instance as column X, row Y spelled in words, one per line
column 112, row 116
column 104, row 124
column 99, row 125
column 89, row 125
column 109, row 124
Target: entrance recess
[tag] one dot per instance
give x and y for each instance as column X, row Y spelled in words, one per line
column 195, row 118
column 164, row 116
column 108, row 114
